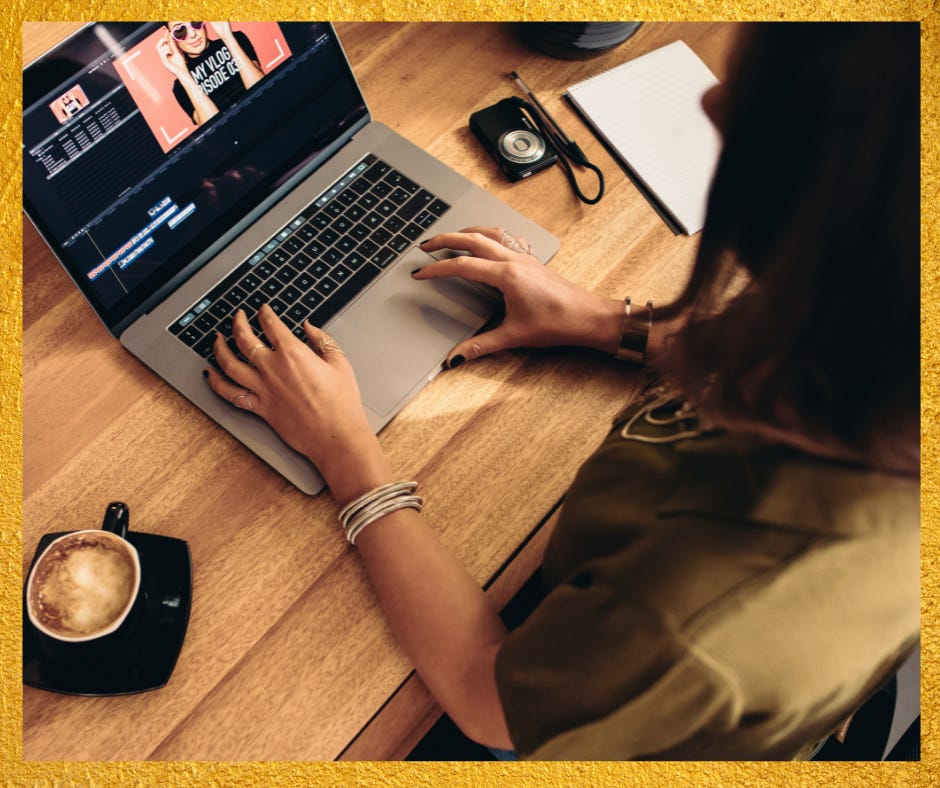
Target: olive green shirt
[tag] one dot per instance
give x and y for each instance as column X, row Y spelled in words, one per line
column 712, row 598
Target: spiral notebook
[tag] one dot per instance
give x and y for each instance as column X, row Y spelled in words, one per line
column 648, row 113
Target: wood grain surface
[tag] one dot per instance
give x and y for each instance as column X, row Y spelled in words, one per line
column 287, row 655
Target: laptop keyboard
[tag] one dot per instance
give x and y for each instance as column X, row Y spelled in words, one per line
column 321, row 260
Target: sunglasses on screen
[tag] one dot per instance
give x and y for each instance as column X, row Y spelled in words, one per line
column 180, row 31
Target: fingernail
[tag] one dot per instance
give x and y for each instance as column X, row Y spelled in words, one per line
column 205, row 373
column 424, row 242
column 456, row 361
column 415, row 271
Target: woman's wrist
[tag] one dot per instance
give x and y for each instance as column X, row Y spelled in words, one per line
column 356, row 469
column 603, row 324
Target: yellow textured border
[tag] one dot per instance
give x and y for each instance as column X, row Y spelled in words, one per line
column 13, row 772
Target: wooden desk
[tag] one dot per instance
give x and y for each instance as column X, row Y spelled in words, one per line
column 287, row 654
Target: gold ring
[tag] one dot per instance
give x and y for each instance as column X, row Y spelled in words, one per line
column 255, row 349
column 514, row 244
column 326, row 344
column 246, row 396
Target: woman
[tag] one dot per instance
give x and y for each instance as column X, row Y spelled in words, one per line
column 210, row 74
column 736, row 569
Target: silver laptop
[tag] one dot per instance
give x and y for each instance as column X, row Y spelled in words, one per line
column 170, row 213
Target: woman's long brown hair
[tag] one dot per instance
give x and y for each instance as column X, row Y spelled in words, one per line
column 816, row 198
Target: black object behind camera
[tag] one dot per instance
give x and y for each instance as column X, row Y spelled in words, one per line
column 516, row 145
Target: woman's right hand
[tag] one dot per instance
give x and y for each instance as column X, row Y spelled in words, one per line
column 170, row 55
column 543, row 309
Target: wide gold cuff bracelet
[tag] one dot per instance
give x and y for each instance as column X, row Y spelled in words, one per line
column 635, row 334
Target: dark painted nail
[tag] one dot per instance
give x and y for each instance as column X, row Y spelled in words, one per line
column 415, row 271
column 456, row 361
column 424, row 242
column 205, row 373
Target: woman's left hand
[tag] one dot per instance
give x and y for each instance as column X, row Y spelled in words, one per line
column 308, row 395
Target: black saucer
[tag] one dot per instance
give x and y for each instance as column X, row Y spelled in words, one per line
column 142, row 653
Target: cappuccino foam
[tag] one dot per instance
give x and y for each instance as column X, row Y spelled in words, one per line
column 82, row 585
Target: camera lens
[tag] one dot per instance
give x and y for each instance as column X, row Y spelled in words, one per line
column 521, row 146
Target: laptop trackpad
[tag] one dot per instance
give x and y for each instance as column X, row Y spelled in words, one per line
column 399, row 331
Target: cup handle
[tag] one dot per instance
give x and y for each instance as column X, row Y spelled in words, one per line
column 116, row 519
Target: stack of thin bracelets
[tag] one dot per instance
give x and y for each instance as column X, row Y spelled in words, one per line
column 389, row 498
column 381, row 501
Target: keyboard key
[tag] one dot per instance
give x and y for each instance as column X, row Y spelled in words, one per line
column 331, row 256
column 190, row 335
column 325, row 286
column 314, row 249
column 307, row 232
column 355, row 212
column 425, row 219
column 367, row 249
column 272, row 287
column 361, row 186
column 277, row 306
column 304, row 282
column 386, row 208
column 369, row 201
column 346, row 244
column 293, row 245
column 348, row 197
column 376, row 171
column 202, row 305
column 383, row 257
column 290, row 294
column 249, row 282
column 204, row 346
column 360, row 232
column 318, row 269
column 416, row 204
column 328, row 237
column 438, row 208
column 286, row 274
column 381, row 189
column 340, row 273
column 279, row 256
column 264, row 269
column 397, row 179
column 205, row 322
column 380, row 236
column 312, row 299
column 394, row 223
column 220, row 309
column 344, row 295
column 334, row 208
column 354, row 260
column 399, row 196
column 372, row 220
column 298, row 313
column 398, row 244
column 412, row 232
column 235, row 296
column 256, row 299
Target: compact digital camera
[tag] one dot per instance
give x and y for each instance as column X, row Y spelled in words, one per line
column 517, row 146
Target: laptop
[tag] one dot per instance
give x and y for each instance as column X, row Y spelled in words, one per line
column 169, row 212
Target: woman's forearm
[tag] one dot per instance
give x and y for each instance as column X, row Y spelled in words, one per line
column 442, row 619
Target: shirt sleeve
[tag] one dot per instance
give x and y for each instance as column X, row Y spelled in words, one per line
column 245, row 43
column 589, row 676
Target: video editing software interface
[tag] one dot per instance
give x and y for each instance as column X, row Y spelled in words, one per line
column 143, row 143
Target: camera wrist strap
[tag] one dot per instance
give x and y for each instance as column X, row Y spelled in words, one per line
column 567, row 149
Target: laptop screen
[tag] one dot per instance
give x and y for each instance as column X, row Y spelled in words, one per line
column 143, row 144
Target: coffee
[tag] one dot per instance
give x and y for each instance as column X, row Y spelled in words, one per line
column 83, row 585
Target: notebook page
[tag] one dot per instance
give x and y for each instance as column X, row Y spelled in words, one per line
column 649, row 111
